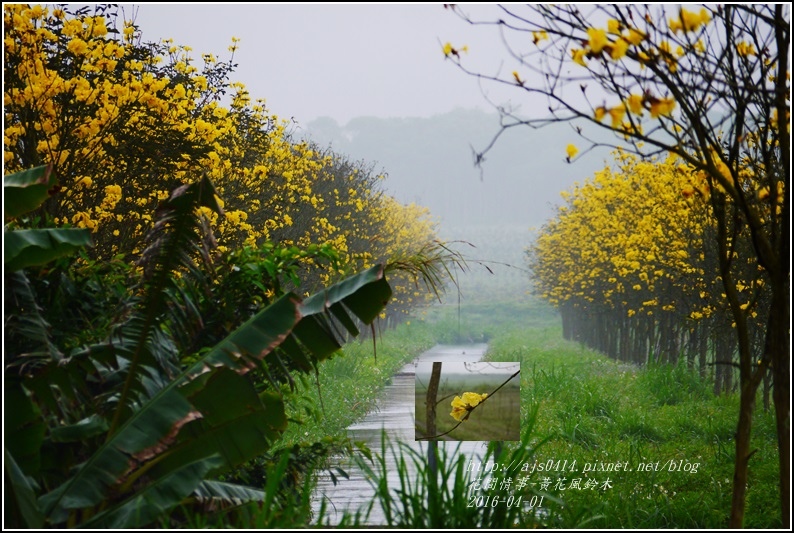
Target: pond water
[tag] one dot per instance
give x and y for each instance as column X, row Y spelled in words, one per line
column 394, row 413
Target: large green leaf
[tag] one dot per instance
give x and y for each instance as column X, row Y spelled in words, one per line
column 246, row 346
column 23, row 428
column 23, row 319
column 25, row 191
column 239, row 424
column 20, row 509
column 364, row 294
column 30, row 247
column 215, row 495
column 83, row 430
column 155, row 500
column 144, row 436
column 236, row 423
column 303, row 331
column 212, row 408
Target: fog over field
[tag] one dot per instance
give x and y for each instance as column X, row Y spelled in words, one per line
column 430, row 161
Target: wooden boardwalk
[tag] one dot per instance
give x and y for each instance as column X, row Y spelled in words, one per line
column 394, row 414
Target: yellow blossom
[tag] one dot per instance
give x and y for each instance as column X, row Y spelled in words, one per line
column 462, row 405
column 663, row 107
column 597, row 39
column 578, row 56
column 98, row 29
column 600, row 112
column 634, row 102
column 745, row 49
column 619, row 49
column 37, row 12
column 617, row 114
column 571, row 150
column 689, row 20
column 77, row 46
column 634, row 36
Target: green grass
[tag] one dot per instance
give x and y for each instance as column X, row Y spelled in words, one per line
column 576, row 405
column 351, row 381
column 483, row 321
column 445, row 496
column 597, row 410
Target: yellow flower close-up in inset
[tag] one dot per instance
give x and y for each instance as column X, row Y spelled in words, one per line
column 461, row 405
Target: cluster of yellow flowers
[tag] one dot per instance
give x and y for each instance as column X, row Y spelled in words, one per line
column 631, row 262
column 619, row 41
column 689, row 20
column 599, row 42
column 462, row 405
column 125, row 123
column 636, row 104
column 632, row 240
column 450, row 50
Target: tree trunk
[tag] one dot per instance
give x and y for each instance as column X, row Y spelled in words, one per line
column 718, row 367
column 728, row 387
column 430, row 412
column 431, row 399
column 625, row 341
column 777, row 347
column 743, row 430
column 703, row 350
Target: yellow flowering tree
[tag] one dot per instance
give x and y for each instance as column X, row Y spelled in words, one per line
column 117, row 121
column 628, row 262
column 124, row 122
column 205, row 217
column 711, row 85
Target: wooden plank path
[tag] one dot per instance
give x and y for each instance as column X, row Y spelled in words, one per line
column 394, row 413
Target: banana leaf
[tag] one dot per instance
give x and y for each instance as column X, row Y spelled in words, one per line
column 24, row 191
column 30, row 247
column 20, row 509
column 213, row 408
column 155, row 500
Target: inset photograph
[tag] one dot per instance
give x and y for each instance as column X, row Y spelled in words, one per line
column 468, row 401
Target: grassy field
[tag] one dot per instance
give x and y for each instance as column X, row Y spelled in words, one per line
column 350, row 382
column 672, row 438
column 653, row 446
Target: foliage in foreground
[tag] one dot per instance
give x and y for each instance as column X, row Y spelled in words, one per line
column 119, row 431
column 439, row 489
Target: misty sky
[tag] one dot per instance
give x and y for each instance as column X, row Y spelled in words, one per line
column 386, row 61
column 341, row 61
